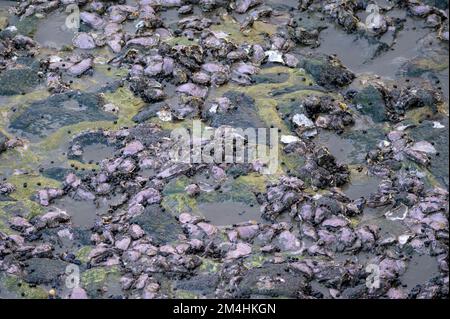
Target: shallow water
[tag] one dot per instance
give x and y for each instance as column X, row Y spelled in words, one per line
column 361, row 185
column 228, row 213
column 96, row 152
column 52, row 31
column 420, row 269
column 83, row 213
column 339, row 147
column 360, row 56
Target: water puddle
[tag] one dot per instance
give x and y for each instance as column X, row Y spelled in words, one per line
column 97, row 152
column 421, row 268
column 376, row 216
column 361, row 185
column 229, row 213
column 83, row 213
column 52, row 32
column 339, row 147
column 369, row 56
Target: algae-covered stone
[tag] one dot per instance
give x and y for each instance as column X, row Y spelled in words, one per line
column 270, row 78
column 57, row 173
column 44, row 270
column 370, row 101
column 148, row 112
column 97, row 280
column 18, row 81
column 3, row 141
column 161, row 226
column 271, row 281
column 243, row 113
column 59, row 110
column 205, row 284
column 327, row 71
column 14, row 287
column 28, row 25
column 437, row 133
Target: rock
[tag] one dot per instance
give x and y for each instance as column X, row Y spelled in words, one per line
column 80, row 67
column 3, row 142
column 123, row 243
column 288, row 242
column 423, row 146
column 54, row 218
column 287, row 139
column 396, row 293
column 91, row 19
column 247, row 232
column 136, row 231
column 209, row 229
column 241, row 250
column 84, row 41
column 242, row 6
column 72, row 180
column 46, row 116
column 158, row 225
column 18, row 81
column 19, row 223
column 133, row 148
column 327, row 71
column 44, row 271
column 306, row 126
column 193, row 89
column 271, row 282
column 78, row 293
column 192, row 190
column 148, row 195
column 334, row 222
column 43, row 250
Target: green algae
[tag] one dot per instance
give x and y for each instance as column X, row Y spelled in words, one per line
column 209, row 266
column 179, row 203
column 255, row 182
column 255, row 261
column 370, row 101
column 83, row 253
column 4, row 21
column 18, row 81
column 420, row 65
column 82, row 166
column 274, row 100
column 169, row 125
column 263, row 94
column 123, row 98
column 95, row 279
column 175, row 200
column 127, row 103
column 19, row 158
column 103, row 75
column 4, row 216
column 254, row 34
column 28, row 25
column 26, row 186
column 21, row 101
column 62, row 135
column 185, row 294
column 23, row 290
